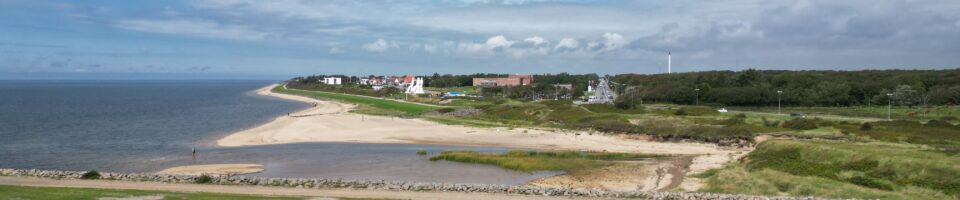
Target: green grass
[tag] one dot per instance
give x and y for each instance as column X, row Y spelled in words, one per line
column 739, row 180
column 607, row 108
column 838, row 169
column 877, row 112
column 529, row 161
column 406, row 108
column 24, row 192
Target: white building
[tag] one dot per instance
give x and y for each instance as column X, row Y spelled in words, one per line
column 331, row 80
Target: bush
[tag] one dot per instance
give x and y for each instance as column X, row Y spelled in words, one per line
column 204, row 179
column 866, row 126
column 938, row 123
column 445, row 110
column 800, row 124
column 421, row 152
column 767, row 123
column 680, row 112
column 948, row 118
column 92, row 174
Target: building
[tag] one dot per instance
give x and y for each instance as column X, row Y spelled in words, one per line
column 331, row 80
column 512, row 80
column 568, row 87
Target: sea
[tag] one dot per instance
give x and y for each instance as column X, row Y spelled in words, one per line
column 148, row 126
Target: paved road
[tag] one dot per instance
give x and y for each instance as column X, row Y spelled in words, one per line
column 258, row 190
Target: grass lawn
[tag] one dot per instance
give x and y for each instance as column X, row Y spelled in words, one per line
column 24, row 192
column 529, row 161
column 841, row 170
column 407, row 108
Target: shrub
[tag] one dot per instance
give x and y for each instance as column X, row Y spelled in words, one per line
column 92, row 174
column 204, row 179
column 445, row 110
column 767, row 123
column 421, row 152
column 938, row 123
column 680, row 112
column 866, row 126
column 735, row 120
column 800, row 124
column 948, row 118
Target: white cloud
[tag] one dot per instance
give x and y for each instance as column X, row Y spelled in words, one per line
column 536, row 40
column 194, row 27
column 335, row 50
column 429, row 48
column 613, row 41
column 567, row 43
column 377, row 46
column 498, row 42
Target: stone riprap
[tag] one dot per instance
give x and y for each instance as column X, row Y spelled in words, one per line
column 320, row 183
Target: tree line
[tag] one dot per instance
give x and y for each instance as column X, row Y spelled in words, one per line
column 798, row 88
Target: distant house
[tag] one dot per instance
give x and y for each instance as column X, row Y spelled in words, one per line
column 512, row 80
column 331, row 80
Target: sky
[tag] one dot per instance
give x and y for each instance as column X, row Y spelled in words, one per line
column 286, row 38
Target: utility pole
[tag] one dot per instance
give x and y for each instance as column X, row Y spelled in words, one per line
column 778, row 100
column 698, row 96
column 889, row 105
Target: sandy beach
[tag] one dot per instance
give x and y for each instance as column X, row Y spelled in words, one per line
column 330, row 121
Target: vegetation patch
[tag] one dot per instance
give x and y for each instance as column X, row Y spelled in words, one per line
column 529, row 161
column 92, row 174
column 408, row 108
column 800, row 124
column 877, row 166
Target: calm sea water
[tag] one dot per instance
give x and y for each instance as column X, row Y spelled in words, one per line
column 146, row 126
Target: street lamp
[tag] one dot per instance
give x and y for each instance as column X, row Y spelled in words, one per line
column 698, row 95
column 889, row 105
column 779, row 92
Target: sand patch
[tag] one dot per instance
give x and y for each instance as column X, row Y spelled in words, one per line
column 214, row 169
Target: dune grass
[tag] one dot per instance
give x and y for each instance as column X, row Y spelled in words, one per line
column 841, row 170
column 529, row 161
column 406, row 108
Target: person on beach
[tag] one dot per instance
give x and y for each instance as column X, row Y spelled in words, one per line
column 194, row 153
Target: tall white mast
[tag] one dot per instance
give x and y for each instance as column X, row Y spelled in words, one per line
column 669, row 63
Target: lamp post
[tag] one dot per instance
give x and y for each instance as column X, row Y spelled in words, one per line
column 889, row 105
column 779, row 92
column 698, row 95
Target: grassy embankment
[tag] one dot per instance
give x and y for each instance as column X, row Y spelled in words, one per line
column 367, row 105
column 25, row 192
column 529, row 161
column 841, row 170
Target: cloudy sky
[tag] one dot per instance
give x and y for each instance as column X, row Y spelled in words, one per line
column 282, row 38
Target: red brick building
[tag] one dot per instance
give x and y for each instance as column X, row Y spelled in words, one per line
column 512, row 80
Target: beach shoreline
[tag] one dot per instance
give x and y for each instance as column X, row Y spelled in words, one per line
column 330, row 121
